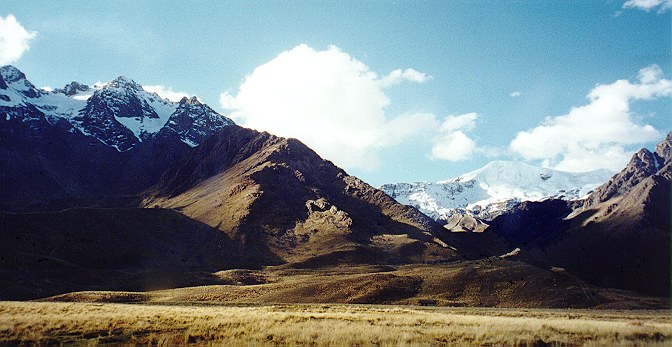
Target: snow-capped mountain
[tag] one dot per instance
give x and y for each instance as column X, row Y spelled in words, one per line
column 494, row 188
column 71, row 146
column 120, row 114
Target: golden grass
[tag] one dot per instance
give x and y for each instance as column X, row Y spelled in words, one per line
column 94, row 323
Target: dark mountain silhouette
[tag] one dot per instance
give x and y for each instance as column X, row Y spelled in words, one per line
column 618, row 237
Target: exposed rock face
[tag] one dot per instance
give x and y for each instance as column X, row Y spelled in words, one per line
column 642, row 165
column 194, row 121
column 72, row 88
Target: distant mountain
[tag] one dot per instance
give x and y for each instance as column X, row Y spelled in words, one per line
column 120, row 114
column 497, row 187
column 66, row 147
column 619, row 237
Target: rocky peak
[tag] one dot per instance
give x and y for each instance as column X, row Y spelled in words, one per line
column 10, row 74
column 190, row 101
column 664, row 150
column 13, row 76
column 72, row 88
column 124, row 83
column 643, row 164
column 195, row 121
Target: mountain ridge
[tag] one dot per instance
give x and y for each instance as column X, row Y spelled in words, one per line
column 619, row 237
column 494, row 188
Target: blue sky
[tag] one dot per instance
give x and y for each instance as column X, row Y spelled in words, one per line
column 390, row 90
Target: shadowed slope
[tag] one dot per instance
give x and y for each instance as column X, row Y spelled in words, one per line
column 619, row 237
column 110, row 249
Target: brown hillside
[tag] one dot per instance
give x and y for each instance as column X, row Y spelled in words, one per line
column 278, row 193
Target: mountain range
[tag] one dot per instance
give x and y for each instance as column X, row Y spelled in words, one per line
column 497, row 187
column 111, row 187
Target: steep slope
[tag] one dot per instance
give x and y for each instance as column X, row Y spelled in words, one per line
column 277, row 193
column 497, row 187
column 619, row 237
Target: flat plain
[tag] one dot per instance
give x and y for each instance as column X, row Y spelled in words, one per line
column 79, row 323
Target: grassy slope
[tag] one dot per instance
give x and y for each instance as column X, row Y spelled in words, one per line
column 55, row 323
column 487, row 283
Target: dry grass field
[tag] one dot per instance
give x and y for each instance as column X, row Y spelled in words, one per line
column 55, row 323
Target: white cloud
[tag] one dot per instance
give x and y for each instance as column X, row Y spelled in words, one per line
column 515, row 94
column 648, row 5
column 452, row 143
column 166, row 92
column 596, row 135
column 47, row 89
column 330, row 101
column 14, row 40
column 397, row 76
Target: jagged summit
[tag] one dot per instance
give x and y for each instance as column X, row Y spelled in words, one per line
column 119, row 114
column 11, row 74
column 123, row 82
column 497, row 186
column 190, row 101
column 194, row 121
column 642, row 166
column 72, row 88
column 14, row 79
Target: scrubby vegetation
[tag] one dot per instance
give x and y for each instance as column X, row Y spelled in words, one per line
column 103, row 323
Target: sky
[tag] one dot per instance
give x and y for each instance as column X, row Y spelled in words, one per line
column 392, row 91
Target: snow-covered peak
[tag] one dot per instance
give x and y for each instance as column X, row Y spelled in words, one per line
column 194, row 121
column 120, row 113
column 123, row 82
column 11, row 74
column 15, row 79
column 496, row 186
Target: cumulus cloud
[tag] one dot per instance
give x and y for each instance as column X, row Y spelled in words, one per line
column 596, row 135
column 14, row 40
column 329, row 100
column 166, row 92
column 515, row 94
column 452, row 143
column 648, row 5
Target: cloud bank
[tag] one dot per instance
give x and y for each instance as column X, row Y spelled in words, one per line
column 14, row 40
column 329, row 100
column 596, row 135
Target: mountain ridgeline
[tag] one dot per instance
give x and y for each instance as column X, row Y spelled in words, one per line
column 110, row 187
column 79, row 144
column 265, row 200
column 618, row 237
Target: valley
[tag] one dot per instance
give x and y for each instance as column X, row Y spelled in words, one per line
column 165, row 221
